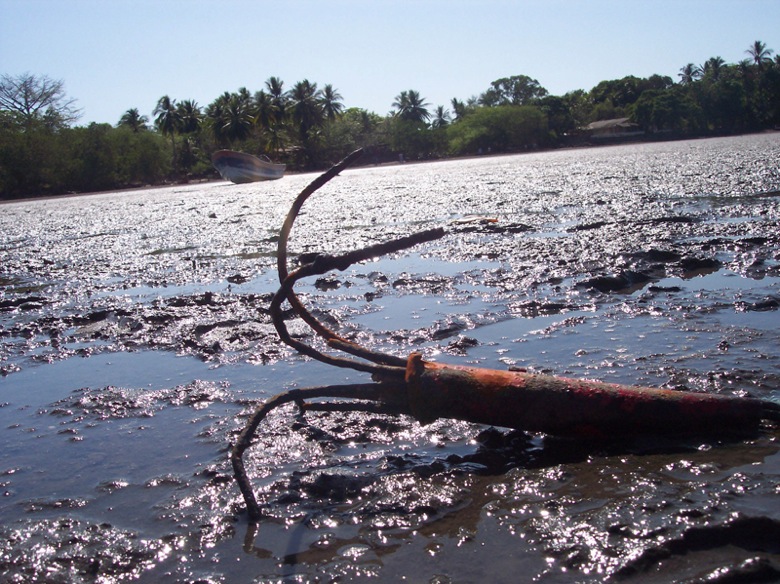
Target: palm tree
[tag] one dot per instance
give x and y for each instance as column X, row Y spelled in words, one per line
column 168, row 120
column 244, row 96
column 331, row 102
column 190, row 119
column 237, row 119
column 306, row 110
column 190, row 116
column 134, row 120
column 215, row 118
column 307, row 114
column 761, row 98
column 231, row 117
column 268, row 116
column 747, row 75
column 441, row 118
column 744, row 67
column 401, row 101
column 760, row 54
column 712, row 67
column 276, row 139
column 458, row 107
column 462, row 108
column 689, row 74
column 275, row 88
column 411, row 106
column 263, row 109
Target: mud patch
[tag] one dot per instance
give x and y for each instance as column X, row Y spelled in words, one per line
column 119, row 403
column 67, row 550
column 657, row 264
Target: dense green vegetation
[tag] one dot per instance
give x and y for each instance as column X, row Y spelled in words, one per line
column 42, row 152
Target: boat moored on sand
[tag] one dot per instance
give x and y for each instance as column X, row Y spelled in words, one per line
column 239, row 167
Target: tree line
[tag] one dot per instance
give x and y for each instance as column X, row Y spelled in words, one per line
column 308, row 127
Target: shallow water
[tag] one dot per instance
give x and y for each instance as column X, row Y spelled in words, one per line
column 133, row 344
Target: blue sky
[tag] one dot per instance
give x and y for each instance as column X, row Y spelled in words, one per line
column 118, row 54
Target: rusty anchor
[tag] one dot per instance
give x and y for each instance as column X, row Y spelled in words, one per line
column 511, row 399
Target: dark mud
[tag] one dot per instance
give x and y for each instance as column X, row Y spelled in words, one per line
column 135, row 340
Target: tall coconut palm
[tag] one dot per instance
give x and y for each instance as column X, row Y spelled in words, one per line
column 237, row 119
column 441, row 118
column 411, row 106
column 263, row 109
column 458, row 107
column 712, row 67
column 275, row 88
column 331, row 102
column 190, row 116
column 243, row 96
column 747, row 74
column 134, row 120
column 401, row 101
column 167, row 120
column 276, row 139
column 760, row 54
column 760, row 97
column 231, row 117
column 689, row 74
column 215, row 118
column 305, row 105
column 269, row 117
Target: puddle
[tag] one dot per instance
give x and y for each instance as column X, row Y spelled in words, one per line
column 722, row 280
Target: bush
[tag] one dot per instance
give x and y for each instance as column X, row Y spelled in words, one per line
column 498, row 129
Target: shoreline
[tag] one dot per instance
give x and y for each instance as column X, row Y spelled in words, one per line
column 586, row 146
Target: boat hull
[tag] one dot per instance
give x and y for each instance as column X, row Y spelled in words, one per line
column 239, row 167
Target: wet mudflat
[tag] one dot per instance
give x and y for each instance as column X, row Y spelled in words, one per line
column 135, row 341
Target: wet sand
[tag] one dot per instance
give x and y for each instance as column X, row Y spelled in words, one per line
column 135, row 341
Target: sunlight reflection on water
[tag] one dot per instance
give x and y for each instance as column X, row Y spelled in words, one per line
column 134, row 340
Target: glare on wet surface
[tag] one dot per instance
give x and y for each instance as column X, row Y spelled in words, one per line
column 133, row 343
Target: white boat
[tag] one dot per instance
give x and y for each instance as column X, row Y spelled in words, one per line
column 239, row 167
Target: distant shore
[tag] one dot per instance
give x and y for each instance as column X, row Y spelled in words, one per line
column 586, row 146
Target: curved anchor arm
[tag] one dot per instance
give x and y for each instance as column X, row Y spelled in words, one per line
column 387, row 365
column 389, row 398
column 284, row 236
